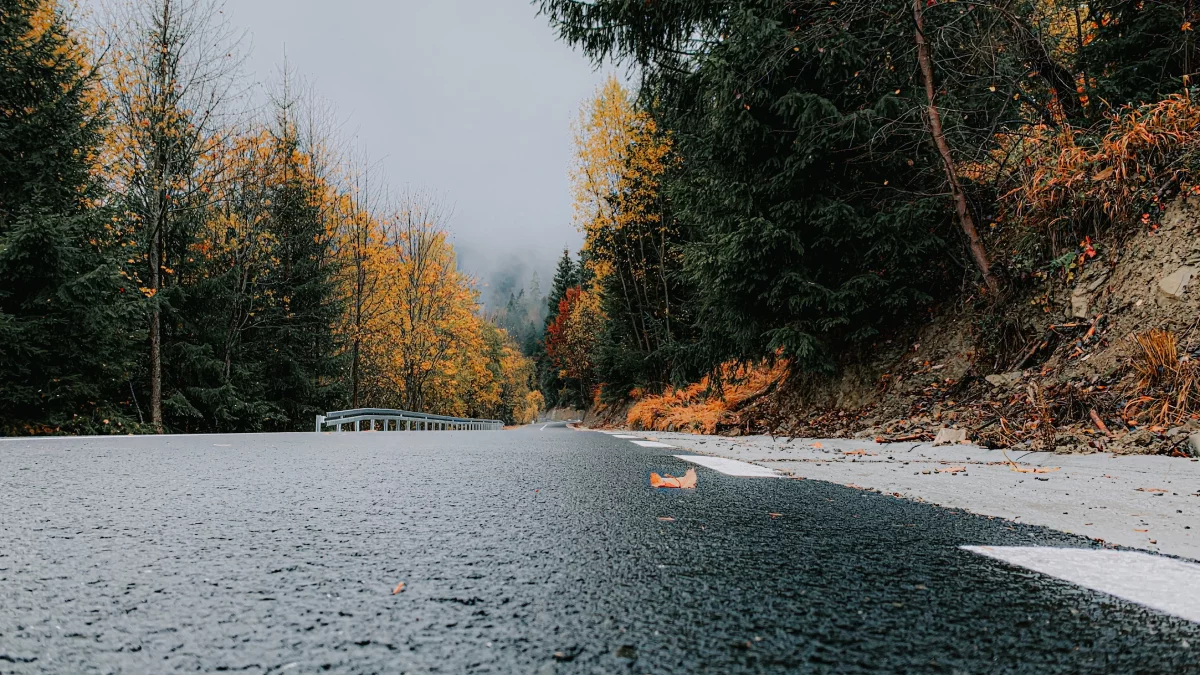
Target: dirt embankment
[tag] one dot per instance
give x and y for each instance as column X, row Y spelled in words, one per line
column 1101, row 357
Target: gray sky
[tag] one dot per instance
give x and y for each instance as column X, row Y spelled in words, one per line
column 473, row 99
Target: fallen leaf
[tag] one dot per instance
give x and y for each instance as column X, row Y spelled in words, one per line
column 687, row 482
column 817, row 445
column 953, row 469
column 399, row 588
column 1150, row 490
column 1141, row 530
column 775, row 515
column 1100, row 423
column 860, row 453
column 667, row 519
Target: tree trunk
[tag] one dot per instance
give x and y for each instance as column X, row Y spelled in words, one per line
column 155, row 334
column 155, row 374
column 354, row 374
column 158, row 235
column 978, row 252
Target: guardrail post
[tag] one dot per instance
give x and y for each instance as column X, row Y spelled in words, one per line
column 365, row 419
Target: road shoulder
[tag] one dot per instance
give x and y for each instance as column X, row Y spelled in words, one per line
column 1150, row 503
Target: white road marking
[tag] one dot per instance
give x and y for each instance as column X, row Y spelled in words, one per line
column 731, row 467
column 652, row 444
column 20, row 439
column 625, row 436
column 544, row 427
column 1165, row 584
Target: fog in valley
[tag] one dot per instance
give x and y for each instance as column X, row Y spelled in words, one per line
column 472, row 100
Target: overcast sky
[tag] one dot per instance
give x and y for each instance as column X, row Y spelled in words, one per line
column 473, row 99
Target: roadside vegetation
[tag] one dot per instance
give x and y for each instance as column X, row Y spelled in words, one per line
column 886, row 217
column 177, row 257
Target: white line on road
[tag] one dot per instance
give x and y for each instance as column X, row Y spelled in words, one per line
column 114, row 437
column 652, row 444
column 544, row 427
column 1167, row 585
column 731, row 467
column 625, row 436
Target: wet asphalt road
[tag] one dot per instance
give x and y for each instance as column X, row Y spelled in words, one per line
column 280, row 553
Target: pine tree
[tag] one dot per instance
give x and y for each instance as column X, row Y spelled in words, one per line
column 550, row 382
column 296, row 341
column 566, row 276
column 810, row 194
column 64, row 336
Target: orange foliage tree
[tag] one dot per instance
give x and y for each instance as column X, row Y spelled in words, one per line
column 571, row 338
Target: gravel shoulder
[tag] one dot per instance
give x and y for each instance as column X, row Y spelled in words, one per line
column 1145, row 502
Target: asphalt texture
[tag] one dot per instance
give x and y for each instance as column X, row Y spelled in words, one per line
column 521, row 552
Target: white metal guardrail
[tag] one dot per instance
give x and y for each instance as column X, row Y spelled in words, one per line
column 379, row 419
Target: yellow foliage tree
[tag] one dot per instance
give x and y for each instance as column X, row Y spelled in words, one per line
column 413, row 325
column 621, row 157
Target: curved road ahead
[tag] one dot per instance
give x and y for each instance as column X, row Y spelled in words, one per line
column 529, row 551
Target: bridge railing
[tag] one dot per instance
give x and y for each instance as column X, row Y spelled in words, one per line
column 380, row 419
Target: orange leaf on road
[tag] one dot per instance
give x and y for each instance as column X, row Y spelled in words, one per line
column 399, row 588
column 687, row 482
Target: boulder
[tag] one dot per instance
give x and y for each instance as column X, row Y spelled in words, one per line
column 1005, row 379
column 950, row 437
column 1079, row 305
column 1175, row 284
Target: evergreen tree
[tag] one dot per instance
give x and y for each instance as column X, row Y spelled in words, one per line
column 550, row 381
column 566, row 276
column 252, row 322
column 1142, row 49
column 64, row 335
column 809, row 193
column 296, row 340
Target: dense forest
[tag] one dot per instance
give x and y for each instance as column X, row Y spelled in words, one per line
column 784, row 187
column 174, row 257
column 795, row 181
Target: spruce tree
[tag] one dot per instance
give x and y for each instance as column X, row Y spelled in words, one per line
column 296, row 340
column 566, row 276
column 64, row 330
column 809, row 193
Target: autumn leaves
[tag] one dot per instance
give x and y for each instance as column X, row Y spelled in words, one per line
column 620, row 309
column 243, row 269
column 417, row 341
